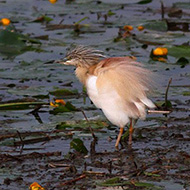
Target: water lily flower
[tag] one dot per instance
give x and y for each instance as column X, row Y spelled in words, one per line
column 57, row 103
column 140, row 28
column 160, row 51
column 36, row 186
column 5, row 21
column 128, row 27
column 52, row 1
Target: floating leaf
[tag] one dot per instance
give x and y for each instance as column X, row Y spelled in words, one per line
column 78, row 145
column 156, row 25
column 186, row 93
column 179, row 51
column 163, row 104
column 110, row 13
column 13, row 43
column 144, row 1
column 151, row 174
column 43, row 18
column 182, row 61
column 82, row 124
column 70, row 107
column 64, row 92
column 11, row 38
column 63, row 108
column 115, row 181
column 20, row 105
column 143, row 184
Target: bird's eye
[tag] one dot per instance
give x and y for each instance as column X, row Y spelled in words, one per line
column 68, row 58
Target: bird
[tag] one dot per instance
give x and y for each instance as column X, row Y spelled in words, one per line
column 119, row 86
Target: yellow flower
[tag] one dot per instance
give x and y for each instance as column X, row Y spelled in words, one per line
column 128, row 27
column 36, row 186
column 140, row 28
column 160, row 51
column 165, row 51
column 52, row 1
column 161, row 59
column 57, row 103
column 60, row 101
column 5, row 21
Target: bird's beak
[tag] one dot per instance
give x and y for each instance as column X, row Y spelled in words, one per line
column 64, row 61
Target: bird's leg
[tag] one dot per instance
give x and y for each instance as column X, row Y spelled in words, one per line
column 119, row 137
column 130, row 131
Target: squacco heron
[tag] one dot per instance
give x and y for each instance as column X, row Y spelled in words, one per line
column 116, row 85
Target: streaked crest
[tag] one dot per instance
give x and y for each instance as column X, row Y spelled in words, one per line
column 85, row 55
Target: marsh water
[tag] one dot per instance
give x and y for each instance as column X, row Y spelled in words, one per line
column 36, row 139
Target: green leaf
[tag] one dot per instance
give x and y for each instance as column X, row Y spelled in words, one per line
column 151, row 174
column 64, row 92
column 115, row 181
column 186, row 93
column 144, row 2
column 162, row 104
column 9, row 38
column 70, row 107
column 157, row 25
column 143, row 184
column 179, row 51
column 110, row 13
column 14, row 43
column 63, row 125
column 182, row 61
column 78, row 145
column 82, row 124
column 20, row 105
column 60, row 109
column 43, row 18
column 76, row 23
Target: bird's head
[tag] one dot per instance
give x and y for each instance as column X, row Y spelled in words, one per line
column 82, row 56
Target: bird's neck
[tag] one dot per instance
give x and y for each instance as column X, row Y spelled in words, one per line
column 82, row 74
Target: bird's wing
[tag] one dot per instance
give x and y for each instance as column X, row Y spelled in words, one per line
column 129, row 79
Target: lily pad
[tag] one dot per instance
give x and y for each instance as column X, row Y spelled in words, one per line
column 82, row 124
column 179, row 51
column 162, row 104
column 117, row 181
column 186, row 93
column 157, row 25
column 78, row 145
column 13, row 43
column 68, row 107
column 182, row 61
column 43, row 18
column 64, row 92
